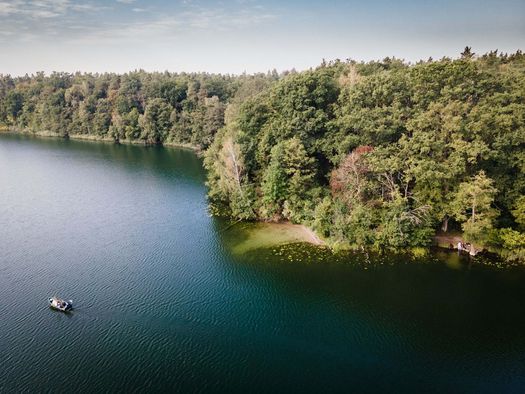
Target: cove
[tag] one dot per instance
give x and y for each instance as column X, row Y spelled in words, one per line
column 169, row 299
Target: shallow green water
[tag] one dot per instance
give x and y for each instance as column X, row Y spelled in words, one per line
column 165, row 301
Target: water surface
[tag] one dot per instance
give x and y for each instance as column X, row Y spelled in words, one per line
column 166, row 302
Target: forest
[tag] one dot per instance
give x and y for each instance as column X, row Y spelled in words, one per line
column 379, row 155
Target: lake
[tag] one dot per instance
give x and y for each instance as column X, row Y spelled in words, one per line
column 167, row 302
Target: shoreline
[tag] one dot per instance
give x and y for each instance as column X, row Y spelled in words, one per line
column 252, row 235
column 445, row 241
column 94, row 138
column 288, row 230
column 303, row 232
column 309, row 233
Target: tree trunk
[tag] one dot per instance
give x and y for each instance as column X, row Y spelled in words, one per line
column 229, row 145
column 444, row 225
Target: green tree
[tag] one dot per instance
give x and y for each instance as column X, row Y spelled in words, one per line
column 467, row 53
column 102, row 117
column 13, row 104
column 287, row 180
column 519, row 211
column 473, row 206
column 155, row 122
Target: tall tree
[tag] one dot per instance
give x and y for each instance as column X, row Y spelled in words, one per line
column 473, row 206
column 155, row 122
column 287, row 180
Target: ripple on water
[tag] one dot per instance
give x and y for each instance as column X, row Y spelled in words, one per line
column 165, row 300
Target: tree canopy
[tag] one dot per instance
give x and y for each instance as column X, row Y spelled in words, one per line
column 381, row 154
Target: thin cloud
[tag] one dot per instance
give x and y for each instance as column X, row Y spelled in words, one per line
column 64, row 22
column 44, row 8
column 30, row 20
column 165, row 27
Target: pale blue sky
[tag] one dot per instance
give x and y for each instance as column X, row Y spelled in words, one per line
column 232, row 36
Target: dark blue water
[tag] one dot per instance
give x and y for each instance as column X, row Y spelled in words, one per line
column 163, row 305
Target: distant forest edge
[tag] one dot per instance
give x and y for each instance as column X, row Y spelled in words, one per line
column 379, row 155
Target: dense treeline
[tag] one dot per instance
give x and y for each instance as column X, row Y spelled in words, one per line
column 145, row 107
column 383, row 154
column 379, row 154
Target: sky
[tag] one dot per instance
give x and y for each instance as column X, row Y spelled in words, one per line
column 235, row 36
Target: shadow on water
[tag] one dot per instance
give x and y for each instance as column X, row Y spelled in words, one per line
column 161, row 161
column 469, row 308
column 443, row 316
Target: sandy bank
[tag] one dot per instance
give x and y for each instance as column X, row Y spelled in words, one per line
column 246, row 236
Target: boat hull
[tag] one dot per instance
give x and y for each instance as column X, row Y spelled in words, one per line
column 60, row 305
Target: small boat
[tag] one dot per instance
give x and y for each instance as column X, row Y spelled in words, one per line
column 60, row 304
